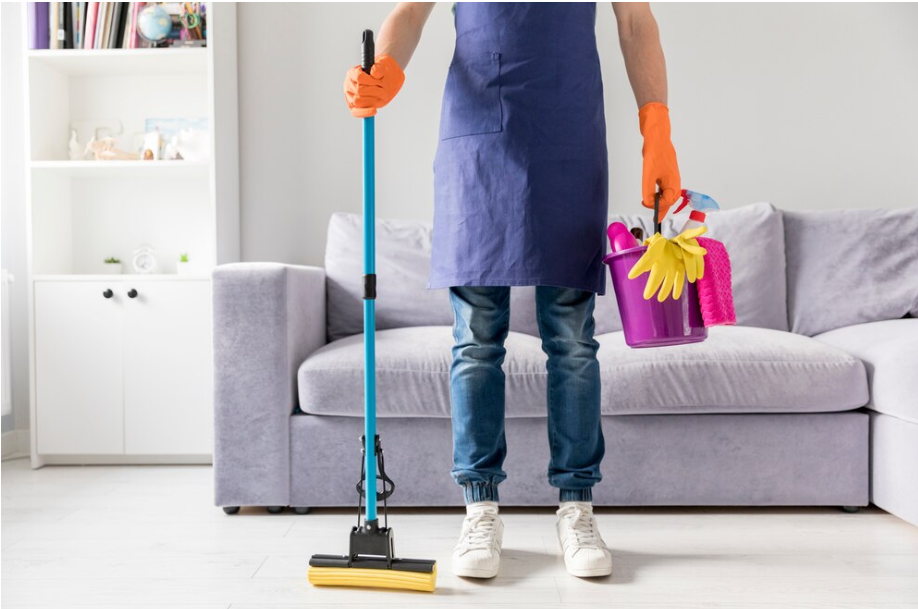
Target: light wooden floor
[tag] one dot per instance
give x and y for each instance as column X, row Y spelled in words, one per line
column 149, row 536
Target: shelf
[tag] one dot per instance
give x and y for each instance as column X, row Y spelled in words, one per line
column 114, row 62
column 122, row 277
column 122, row 169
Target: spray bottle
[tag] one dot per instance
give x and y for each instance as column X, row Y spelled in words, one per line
column 700, row 204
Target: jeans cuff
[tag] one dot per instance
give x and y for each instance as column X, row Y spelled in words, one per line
column 576, row 494
column 480, row 491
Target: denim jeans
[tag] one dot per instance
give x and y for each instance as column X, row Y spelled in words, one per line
column 477, row 385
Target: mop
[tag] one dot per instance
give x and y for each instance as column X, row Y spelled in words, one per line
column 371, row 562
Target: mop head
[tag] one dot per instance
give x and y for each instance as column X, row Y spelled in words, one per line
column 405, row 574
column 715, row 287
column 372, row 564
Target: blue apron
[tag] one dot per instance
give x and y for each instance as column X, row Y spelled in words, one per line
column 521, row 172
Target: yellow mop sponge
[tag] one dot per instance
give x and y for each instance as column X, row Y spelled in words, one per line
column 373, row 578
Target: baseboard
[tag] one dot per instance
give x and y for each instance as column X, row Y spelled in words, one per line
column 126, row 459
column 15, row 444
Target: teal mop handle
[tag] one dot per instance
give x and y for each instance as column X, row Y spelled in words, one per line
column 369, row 283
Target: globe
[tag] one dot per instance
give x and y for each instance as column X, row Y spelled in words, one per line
column 154, row 23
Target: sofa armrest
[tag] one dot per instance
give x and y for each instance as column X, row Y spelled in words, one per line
column 267, row 318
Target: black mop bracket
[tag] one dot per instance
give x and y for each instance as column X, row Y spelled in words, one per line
column 388, row 486
column 372, row 546
column 369, row 544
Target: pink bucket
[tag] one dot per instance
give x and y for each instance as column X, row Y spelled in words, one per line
column 649, row 323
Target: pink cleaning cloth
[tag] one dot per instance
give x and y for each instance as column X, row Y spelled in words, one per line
column 715, row 288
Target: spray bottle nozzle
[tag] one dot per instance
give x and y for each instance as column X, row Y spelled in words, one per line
column 700, row 205
column 697, row 201
column 685, row 200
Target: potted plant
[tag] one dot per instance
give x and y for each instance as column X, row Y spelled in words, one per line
column 183, row 266
column 112, row 266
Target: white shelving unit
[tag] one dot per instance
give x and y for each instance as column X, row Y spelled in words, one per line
column 123, row 62
column 122, row 169
column 118, row 377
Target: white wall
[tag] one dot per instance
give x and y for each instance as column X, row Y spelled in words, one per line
column 804, row 105
column 809, row 106
column 13, row 204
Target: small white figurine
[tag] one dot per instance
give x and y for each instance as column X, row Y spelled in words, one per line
column 193, row 145
column 170, row 152
column 76, row 152
column 152, row 142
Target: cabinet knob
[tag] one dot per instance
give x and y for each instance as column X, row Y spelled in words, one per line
column 108, row 293
column 132, row 293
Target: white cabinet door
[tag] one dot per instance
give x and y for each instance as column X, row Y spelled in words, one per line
column 168, row 368
column 78, row 368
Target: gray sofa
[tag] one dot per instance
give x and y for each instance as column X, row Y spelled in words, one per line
column 812, row 399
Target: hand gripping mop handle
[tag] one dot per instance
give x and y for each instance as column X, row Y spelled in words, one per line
column 368, row 54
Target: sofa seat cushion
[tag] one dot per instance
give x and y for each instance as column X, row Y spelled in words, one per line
column 889, row 350
column 737, row 370
column 412, row 374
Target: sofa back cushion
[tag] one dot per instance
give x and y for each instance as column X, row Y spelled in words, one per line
column 403, row 249
column 850, row 267
column 753, row 235
column 402, row 265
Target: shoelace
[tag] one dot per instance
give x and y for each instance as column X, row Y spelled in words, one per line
column 480, row 531
column 583, row 526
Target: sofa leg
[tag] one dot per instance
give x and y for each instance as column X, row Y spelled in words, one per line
column 302, row 511
column 275, row 509
column 850, row 509
column 231, row 509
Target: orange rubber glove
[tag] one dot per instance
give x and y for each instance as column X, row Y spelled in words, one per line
column 366, row 93
column 660, row 167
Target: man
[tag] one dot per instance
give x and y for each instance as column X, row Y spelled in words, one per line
column 521, row 184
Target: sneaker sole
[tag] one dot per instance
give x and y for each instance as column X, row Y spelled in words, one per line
column 595, row 572
column 476, row 573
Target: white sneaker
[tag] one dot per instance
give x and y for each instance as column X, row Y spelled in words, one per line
column 585, row 553
column 478, row 552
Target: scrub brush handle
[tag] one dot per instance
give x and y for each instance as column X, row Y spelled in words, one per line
column 657, row 226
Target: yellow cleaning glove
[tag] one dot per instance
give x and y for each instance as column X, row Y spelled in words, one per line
column 664, row 265
column 669, row 261
column 692, row 253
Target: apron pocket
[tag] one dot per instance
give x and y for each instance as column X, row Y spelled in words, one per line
column 471, row 102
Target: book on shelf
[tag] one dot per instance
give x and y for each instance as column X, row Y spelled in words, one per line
column 100, row 24
column 66, row 17
column 111, row 25
column 39, row 32
column 125, row 27
column 102, row 42
column 117, row 10
column 79, row 27
column 133, row 36
column 52, row 25
column 89, row 33
column 75, row 8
